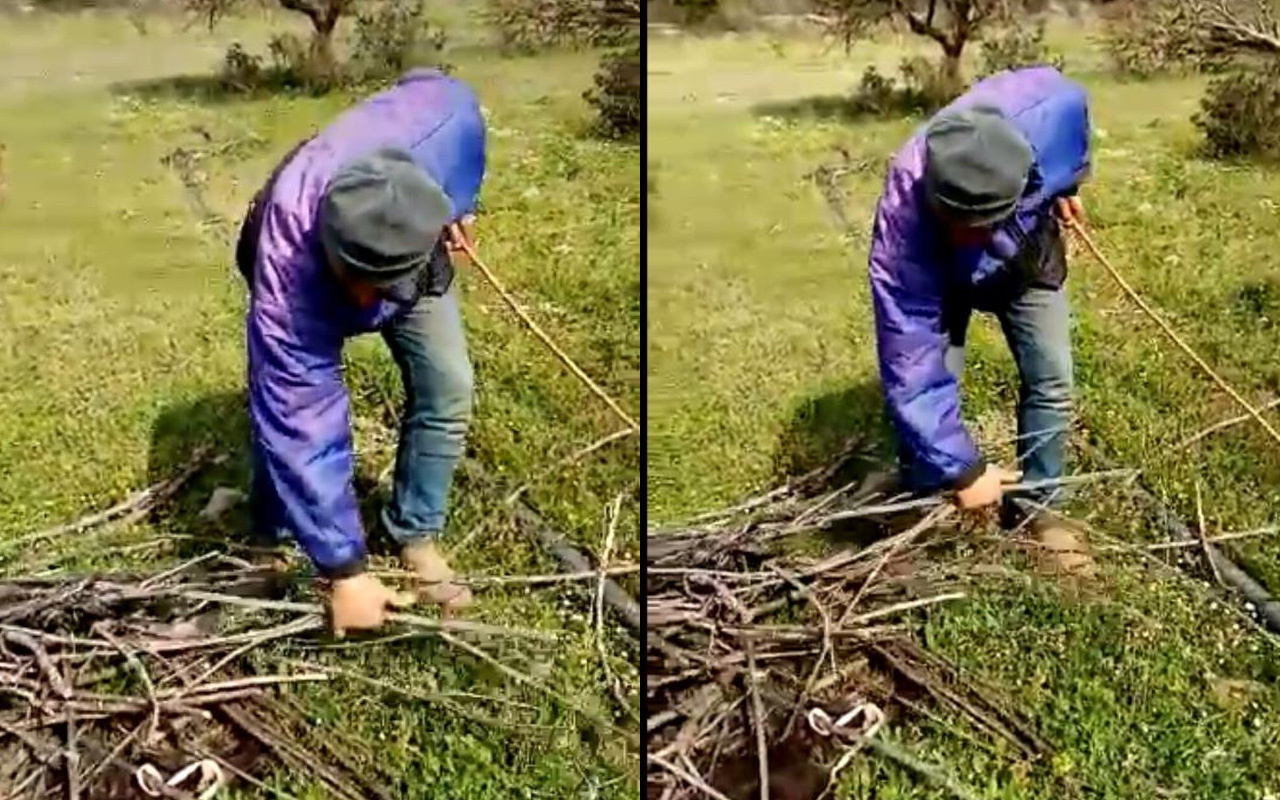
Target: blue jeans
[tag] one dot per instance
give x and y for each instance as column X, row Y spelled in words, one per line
column 430, row 348
column 1037, row 327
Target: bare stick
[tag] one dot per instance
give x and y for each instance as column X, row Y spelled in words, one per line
column 1170, row 332
column 25, row 782
column 115, row 752
column 612, row 514
column 184, row 566
column 898, row 608
column 529, row 680
column 931, row 502
column 1225, row 537
column 929, row 772
column 195, row 692
column 442, row 625
column 532, row 523
column 71, row 759
column 513, row 580
column 441, row 699
column 571, row 460
column 687, row 777
column 900, row 542
column 241, row 774
column 1223, row 425
column 142, row 674
column 542, row 335
column 300, row 625
column 757, row 714
column 32, row 645
column 1201, row 533
column 127, row 508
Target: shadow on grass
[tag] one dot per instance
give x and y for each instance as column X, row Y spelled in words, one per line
column 838, row 108
column 849, row 421
column 209, row 89
column 199, row 88
column 220, row 421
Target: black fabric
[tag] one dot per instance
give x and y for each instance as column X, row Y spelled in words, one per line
column 251, row 227
column 348, row 570
column 970, row 476
column 436, row 279
column 1040, row 262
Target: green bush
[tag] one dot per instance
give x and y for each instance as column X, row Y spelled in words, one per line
column 922, row 87
column 392, row 37
column 1143, row 40
column 241, row 70
column 1240, row 113
column 387, row 39
column 618, row 94
column 297, row 63
column 1017, row 46
column 527, row 26
column 696, row 12
column 927, row 84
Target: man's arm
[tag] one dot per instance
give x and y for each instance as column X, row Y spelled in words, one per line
column 300, row 417
column 923, row 396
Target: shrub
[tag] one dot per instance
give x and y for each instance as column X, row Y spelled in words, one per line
column 1017, row 46
column 299, row 64
column 877, row 94
column 1240, row 113
column 1144, row 40
column 928, row 85
column 618, row 94
column 922, row 87
column 527, row 26
column 392, row 37
column 241, row 70
column 696, row 12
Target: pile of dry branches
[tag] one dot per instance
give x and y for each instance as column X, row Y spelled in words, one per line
column 111, row 686
column 768, row 670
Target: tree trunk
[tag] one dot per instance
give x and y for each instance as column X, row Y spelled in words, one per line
column 951, row 71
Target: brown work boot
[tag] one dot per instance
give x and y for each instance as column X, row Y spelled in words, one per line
column 434, row 575
column 1064, row 549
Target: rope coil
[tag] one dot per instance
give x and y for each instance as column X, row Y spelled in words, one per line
column 843, row 729
column 152, row 782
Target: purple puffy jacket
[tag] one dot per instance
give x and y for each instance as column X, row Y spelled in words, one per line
column 299, row 318
column 912, row 269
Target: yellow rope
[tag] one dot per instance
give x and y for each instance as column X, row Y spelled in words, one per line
column 1169, row 331
column 462, row 243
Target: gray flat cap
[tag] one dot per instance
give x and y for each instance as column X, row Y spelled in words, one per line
column 976, row 165
column 382, row 215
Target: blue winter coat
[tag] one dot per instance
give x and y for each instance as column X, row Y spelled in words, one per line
column 912, row 269
column 299, row 317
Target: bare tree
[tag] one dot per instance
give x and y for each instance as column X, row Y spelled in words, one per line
column 1228, row 27
column 323, row 15
column 952, row 24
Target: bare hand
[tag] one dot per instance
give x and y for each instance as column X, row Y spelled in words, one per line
column 460, row 232
column 1070, row 210
column 987, row 489
column 361, row 602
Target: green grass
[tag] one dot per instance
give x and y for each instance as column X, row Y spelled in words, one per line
column 762, row 362
column 121, row 349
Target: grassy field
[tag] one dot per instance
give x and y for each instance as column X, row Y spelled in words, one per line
column 121, row 350
column 762, row 363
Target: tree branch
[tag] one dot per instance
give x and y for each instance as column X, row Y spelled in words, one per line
column 1226, row 31
column 922, row 26
column 303, row 7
